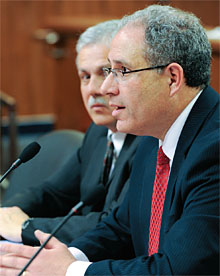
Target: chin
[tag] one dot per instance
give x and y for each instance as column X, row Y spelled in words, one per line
column 103, row 122
column 123, row 127
column 127, row 128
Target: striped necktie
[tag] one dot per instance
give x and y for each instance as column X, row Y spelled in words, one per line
column 108, row 160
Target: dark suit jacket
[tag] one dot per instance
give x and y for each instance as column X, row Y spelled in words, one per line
column 189, row 238
column 79, row 176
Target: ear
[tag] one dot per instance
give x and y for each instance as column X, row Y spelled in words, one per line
column 176, row 77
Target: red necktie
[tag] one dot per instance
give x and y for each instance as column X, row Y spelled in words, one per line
column 158, row 197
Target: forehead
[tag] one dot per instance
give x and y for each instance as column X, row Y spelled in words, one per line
column 94, row 55
column 128, row 46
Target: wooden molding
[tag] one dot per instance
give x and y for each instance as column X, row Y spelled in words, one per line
column 69, row 26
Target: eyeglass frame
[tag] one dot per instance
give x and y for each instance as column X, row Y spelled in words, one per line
column 109, row 70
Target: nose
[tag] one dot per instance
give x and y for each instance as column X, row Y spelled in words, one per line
column 94, row 87
column 109, row 86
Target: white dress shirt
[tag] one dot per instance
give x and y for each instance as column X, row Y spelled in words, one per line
column 169, row 147
column 172, row 136
column 118, row 139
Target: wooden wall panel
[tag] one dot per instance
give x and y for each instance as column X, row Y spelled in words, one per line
column 24, row 65
column 207, row 11
column 42, row 84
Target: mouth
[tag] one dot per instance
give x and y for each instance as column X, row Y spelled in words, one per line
column 117, row 107
column 97, row 105
column 117, row 110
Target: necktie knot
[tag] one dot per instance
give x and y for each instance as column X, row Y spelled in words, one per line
column 161, row 157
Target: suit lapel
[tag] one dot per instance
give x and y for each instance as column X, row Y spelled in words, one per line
column 94, row 172
column 128, row 147
column 199, row 113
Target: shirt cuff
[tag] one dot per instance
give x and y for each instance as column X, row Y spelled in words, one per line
column 80, row 266
column 78, row 254
column 77, row 268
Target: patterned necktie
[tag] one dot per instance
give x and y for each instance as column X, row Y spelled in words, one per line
column 158, row 197
column 108, row 160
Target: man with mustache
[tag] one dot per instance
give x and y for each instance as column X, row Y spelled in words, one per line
column 44, row 206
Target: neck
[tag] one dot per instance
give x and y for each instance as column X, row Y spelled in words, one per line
column 112, row 128
column 179, row 103
column 190, row 100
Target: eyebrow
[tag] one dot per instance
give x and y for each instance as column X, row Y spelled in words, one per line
column 99, row 68
column 121, row 62
column 80, row 71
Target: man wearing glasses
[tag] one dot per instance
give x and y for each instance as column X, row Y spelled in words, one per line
column 168, row 223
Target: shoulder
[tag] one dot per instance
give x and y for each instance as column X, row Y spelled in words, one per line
column 94, row 132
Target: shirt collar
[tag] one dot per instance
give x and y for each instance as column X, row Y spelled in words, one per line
column 118, row 139
column 172, row 136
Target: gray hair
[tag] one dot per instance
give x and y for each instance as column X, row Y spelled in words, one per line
column 173, row 35
column 100, row 33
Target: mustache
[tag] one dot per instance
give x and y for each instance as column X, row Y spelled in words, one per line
column 97, row 100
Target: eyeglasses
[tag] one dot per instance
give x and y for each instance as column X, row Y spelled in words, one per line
column 118, row 74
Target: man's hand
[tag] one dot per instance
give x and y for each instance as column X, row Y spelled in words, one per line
column 53, row 260
column 11, row 220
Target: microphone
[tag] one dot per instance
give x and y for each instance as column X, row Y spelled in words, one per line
column 28, row 153
column 95, row 195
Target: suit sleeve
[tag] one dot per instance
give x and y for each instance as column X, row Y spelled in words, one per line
column 75, row 227
column 114, row 228
column 46, row 199
column 44, row 204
